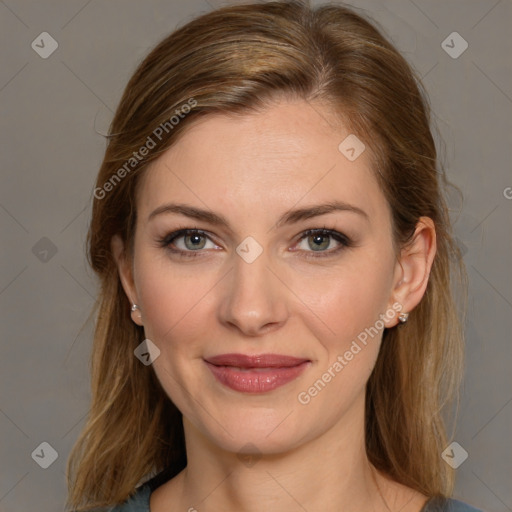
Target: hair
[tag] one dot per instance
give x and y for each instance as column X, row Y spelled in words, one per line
column 237, row 60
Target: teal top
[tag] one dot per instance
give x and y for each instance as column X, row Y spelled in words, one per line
column 139, row 502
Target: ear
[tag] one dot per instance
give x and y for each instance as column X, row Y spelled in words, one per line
column 125, row 271
column 412, row 269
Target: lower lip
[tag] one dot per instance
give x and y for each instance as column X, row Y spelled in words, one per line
column 256, row 380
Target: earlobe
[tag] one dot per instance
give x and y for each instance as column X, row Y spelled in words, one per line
column 125, row 272
column 414, row 266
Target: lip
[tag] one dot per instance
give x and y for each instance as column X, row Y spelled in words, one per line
column 255, row 373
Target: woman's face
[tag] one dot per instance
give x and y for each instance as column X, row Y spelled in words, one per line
column 255, row 284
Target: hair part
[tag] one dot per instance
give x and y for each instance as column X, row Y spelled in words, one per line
column 237, row 60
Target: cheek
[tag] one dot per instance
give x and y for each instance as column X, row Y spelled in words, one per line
column 349, row 305
column 170, row 297
column 345, row 301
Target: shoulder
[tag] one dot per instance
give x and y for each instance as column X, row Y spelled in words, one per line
column 139, row 502
column 448, row 505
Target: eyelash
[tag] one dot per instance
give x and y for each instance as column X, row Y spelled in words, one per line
column 344, row 241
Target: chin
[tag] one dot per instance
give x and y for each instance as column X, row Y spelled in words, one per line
column 262, row 430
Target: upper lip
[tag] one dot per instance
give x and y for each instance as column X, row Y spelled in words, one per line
column 255, row 361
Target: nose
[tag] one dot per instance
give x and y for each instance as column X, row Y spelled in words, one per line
column 253, row 298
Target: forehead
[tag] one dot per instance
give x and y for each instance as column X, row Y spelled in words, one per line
column 287, row 154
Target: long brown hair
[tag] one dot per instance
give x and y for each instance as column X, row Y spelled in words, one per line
column 236, row 60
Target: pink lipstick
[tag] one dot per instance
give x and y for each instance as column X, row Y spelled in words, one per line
column 255, row 374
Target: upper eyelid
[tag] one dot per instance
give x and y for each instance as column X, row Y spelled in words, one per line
column 187, row 231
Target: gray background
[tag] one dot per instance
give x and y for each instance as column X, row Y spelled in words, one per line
column 52, row 112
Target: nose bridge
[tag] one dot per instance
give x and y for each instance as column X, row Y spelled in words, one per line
column 254, row 299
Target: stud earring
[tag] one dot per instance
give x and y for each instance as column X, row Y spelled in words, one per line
column 402, row 317
column 135, row 307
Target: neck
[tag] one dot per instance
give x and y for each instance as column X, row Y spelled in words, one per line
column 329, row 472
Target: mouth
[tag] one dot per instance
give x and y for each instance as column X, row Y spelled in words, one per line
column 255, row 374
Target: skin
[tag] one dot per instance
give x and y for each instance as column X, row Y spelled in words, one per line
column 252, row 169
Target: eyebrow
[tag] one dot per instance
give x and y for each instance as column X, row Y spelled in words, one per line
column 289, row 217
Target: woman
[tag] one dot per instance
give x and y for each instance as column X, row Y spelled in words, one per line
column 276, row 326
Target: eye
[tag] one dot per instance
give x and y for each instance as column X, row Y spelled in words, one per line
column 189, row 243
column 320, row 239
column 186, row 242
